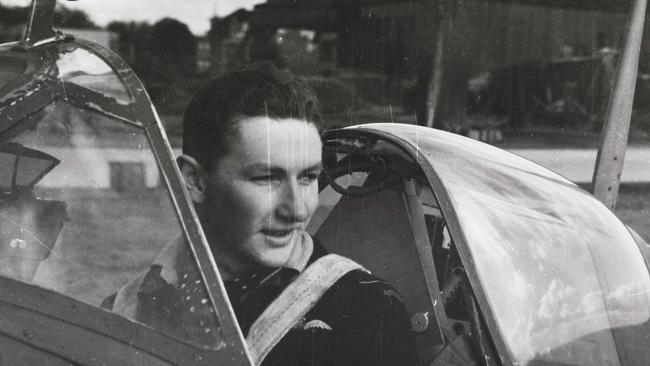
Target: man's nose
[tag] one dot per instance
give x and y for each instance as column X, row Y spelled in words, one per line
column 293, row 202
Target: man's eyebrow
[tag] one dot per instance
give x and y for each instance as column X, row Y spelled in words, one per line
column 317, row 166
column 257, row 166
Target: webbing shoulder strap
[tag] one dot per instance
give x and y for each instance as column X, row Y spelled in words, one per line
column 294, row 302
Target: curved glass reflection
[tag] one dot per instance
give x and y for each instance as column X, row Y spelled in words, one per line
column 563, row 276
column 31, row 79
column 85, row 69
column 83, row 212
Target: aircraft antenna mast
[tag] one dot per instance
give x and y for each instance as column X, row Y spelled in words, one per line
column 616, row 128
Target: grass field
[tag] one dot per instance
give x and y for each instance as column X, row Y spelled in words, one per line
column 109, row 239
column 633, row 208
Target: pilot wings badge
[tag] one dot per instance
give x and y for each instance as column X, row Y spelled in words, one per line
column 316, row 324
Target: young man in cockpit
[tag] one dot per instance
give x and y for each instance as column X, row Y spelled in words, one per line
column 251, row 159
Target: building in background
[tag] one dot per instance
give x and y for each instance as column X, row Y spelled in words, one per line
column 226, row 38
column 391, row 46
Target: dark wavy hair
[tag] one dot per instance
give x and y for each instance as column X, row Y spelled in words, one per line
column 212, row 118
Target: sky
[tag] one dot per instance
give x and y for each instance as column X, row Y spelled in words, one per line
column 195, row 13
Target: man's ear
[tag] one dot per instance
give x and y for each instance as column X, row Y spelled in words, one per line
column 193, row 176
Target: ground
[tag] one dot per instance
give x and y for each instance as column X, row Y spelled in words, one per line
column 633, row 205
column 633, row 208
column 109, row 239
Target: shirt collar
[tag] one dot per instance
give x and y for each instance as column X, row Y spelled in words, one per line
column 175, row 258
column 301, row 253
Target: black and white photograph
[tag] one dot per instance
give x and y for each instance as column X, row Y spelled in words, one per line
column 324, row 182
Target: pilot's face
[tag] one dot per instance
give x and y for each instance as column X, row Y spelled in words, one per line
column 260, row 196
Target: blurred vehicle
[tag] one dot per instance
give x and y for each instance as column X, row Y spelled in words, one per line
column 499, row 261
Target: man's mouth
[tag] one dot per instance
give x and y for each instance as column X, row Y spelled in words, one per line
column 279, row 233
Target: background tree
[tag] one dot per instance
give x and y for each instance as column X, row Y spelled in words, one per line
column 68, row 18
column 172, row 76
column 173, row 47
column 14, row 18
column 134, row 46
column 12, row 15
column 261, row 45
column 11, row 20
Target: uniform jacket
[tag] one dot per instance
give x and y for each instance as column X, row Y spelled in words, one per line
column 360, row 320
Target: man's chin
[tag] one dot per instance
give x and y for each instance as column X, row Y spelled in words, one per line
column 270, row 255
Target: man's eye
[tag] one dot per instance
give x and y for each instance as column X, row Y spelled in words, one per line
column 264, row 178
column 309, row 178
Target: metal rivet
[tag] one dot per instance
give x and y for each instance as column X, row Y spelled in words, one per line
column 420, row 322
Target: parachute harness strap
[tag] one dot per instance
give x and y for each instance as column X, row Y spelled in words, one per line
column 294, row 303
